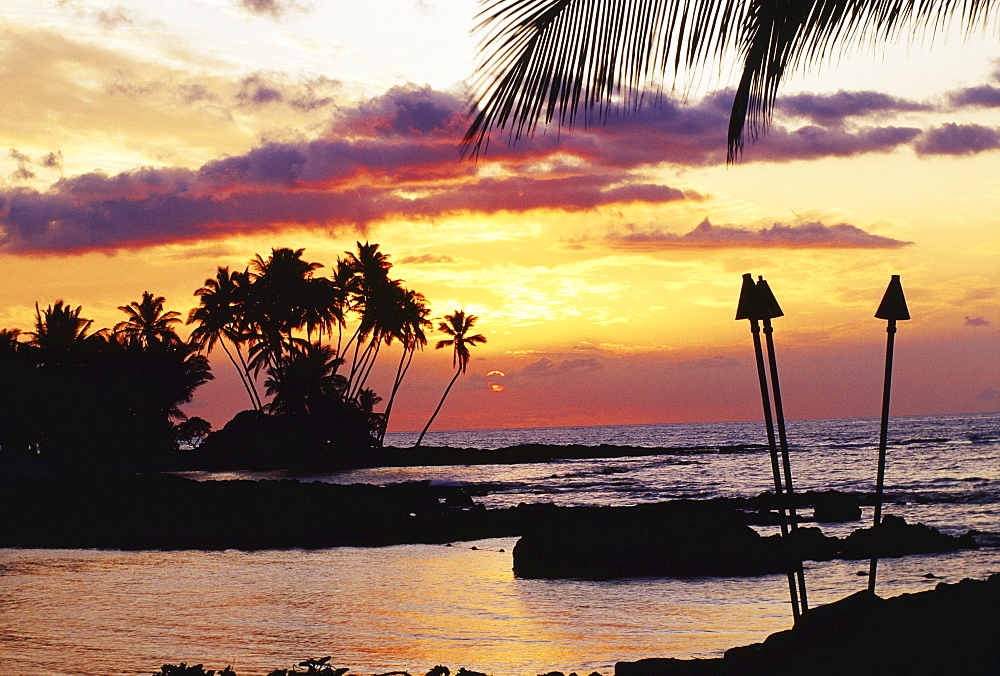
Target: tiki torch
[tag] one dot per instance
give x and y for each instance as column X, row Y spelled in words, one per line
column 892, row 308
column 752, row 307
column 771, row 310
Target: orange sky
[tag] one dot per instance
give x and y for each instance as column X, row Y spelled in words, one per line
column 148, row 145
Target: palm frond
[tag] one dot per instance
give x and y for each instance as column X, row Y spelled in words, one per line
column 560, row 60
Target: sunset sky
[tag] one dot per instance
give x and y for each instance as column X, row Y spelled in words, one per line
column 146, row 143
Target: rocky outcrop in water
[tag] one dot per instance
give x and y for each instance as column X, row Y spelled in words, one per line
column 687, row 538
column 161, row 511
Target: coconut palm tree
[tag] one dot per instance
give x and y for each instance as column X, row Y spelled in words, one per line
column 306, row 382
column 413, row 313
column 148, row 324
column 281, row 291
column 370, row 270
column 457, row 325
column 219, row 317
column 548, row 60
column 59, row 331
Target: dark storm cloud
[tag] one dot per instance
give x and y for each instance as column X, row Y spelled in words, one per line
column 708, row 236
column 958, row 139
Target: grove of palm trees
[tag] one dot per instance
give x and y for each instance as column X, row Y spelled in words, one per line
column 304, row 347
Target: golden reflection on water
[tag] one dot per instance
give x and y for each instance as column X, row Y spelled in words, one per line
column 380, row 609
column 405, row 607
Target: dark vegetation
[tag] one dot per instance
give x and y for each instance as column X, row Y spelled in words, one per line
column 110, row 399
column 85, row 400
column 319, row 666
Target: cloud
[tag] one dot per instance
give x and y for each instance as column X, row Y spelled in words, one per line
column 113, row 17
column 976, row 321
column 695, row 135
column 26, row 166
column 259, row 89
column 712, row 363
column 833, row 109
column 983, row 96
column 273, row 8
column 391, row 157
column 815, row 142
column 958, row 139
column 546, row 368
column 988, row 394
column 427, row 259
column 708, row 236
column 396, row 156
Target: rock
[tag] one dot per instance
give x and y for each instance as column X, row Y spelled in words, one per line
column 895, row 537
column 952, row 629
column 677, row 539
column 833, row 507
column 667, row 666
column 684, row 539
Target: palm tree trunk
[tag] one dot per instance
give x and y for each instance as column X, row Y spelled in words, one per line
column 239, row 371
column 367, row 369
column 440, row 404
column 246, row 370
column 400, row 372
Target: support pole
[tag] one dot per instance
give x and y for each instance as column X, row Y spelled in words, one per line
column 751, row 308
column 892, row 308
column 773, row 310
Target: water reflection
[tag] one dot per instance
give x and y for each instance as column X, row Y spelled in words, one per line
column 375, row 610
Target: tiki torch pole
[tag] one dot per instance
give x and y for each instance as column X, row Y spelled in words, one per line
column 750, row 307
column 892, row 308
column 772, row 309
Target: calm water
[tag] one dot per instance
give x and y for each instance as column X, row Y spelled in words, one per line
column 411, row 607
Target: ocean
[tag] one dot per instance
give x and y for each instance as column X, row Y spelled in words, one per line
column 410, row 607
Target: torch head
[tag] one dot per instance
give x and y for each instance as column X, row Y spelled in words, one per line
column 893, row 305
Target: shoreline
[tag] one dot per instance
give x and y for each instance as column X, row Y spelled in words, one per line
column 675, row 537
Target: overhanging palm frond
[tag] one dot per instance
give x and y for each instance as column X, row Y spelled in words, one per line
column 547, row 59
column 551, row 60
column 781, row 36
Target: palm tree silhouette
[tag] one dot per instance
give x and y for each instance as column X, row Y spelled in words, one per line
column 280, row 293
column 457, row 325
column 305, row 382
column 148, row 324
column 219, row 318
column 59, row 331
column 553, row 59
column 412, row 314
column 370, row 288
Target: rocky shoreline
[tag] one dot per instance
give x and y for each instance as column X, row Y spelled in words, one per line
column 951, row 629
column 674, row 538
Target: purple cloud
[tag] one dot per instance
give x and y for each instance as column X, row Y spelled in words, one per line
column 983, row 96
column 546, row 368
column 976, row 321
column 958, row 139
column 708, row 236
column 833, row 109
